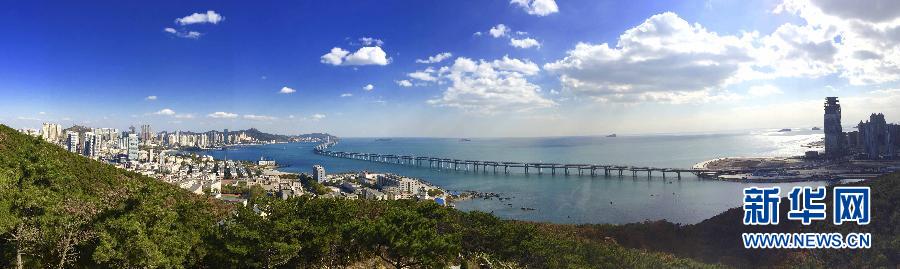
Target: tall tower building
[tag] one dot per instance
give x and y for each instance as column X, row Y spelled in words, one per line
column 133, row 154
column 91, row 144
column 834, row 136
column 72, row 141
column 146, row 133
column 319, row 173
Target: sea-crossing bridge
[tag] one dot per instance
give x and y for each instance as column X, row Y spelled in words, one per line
column 523, row 167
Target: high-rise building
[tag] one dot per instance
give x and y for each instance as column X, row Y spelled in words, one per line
column 132, row 151
column 72, row 141
column 91, row 145
column 319, row 173
column 879, row 139
column 51, row 132
column 146, row 133
column 225, row 136
column 834, row 136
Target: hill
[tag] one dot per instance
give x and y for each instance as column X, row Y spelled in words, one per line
column 59, row 209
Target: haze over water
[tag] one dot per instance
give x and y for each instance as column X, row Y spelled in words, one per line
column 559, row 198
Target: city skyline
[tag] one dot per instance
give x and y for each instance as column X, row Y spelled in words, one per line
column 489, row 68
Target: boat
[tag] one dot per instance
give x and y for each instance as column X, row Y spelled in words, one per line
column 612, row 135
column 816, row 128
column 785, row 130
column 464, row 140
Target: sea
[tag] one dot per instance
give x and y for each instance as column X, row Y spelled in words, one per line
column 559, row 198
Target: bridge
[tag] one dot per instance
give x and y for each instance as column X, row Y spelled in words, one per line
column 522, row 167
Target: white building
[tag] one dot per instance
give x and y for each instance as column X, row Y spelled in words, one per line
column 319, row 173
column 51, row 132
column 91, row 145
column 72, row 141
column 132, row 149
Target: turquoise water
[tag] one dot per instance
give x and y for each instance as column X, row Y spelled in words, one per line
column 559, row 198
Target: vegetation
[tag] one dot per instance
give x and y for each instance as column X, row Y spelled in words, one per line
column 61, row 210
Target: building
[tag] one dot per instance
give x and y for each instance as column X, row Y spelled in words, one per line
column 879, row 140
column 51, row 132
column 132, row 147
column 834, row 136
column 72, row 141
column 91, row 146
column 225, row 137
column 319, row 173
column 146, row 133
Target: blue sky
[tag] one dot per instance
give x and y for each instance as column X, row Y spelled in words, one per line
column 580, row 68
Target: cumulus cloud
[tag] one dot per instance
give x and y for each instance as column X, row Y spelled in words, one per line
column 490, row 86
column 515, row 65
column 258, row 117
column 499, row 31
column 368, row 41
column 183, row 34
column 150, row 98
column 859, row 40
column 363, row 56
column 424, row 75
column 346, row 95
column 537, row 7
column 369, row 87
column 524, row 43
column 222, row 115
column 165, row 112
column 287, row 90
column 317, row 117
column 763, row 90
column 664, row 59
column 436, row 58
column 404, row 83
column 208, row 17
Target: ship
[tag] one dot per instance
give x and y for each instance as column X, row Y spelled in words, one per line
column 612, row 135
column 464, row 140
column 816, row 128
column 785, row 130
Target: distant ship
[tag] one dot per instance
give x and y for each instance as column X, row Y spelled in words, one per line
column 464, row 140
column 785, row 130
column 383, row 139
column 612, row 135
column 816, row 128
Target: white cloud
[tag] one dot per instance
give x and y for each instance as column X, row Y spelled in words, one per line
column 404, row 83
column 436, row 58
column 184, row 116
column 208, row 17
column 764, row 90
column 423, row 75
column 259, row 117
column 369, row 87
column 664, row 59
column 537, row 7
column 317, row 117
column 183, row 34
column 150, row 98
column 287, row 90
column 499, row 31
column 480, row 87
column 512, row 64
column 524, row 43
column 346, row 95
column 368, row 41
column 165, row 112
column 859, row 40
column 363, row 56
column 222, row 115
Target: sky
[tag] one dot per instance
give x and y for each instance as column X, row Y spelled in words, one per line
column 473, row 68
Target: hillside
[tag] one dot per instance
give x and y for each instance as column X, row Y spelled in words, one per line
column 58, row 209
column 718, row 239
